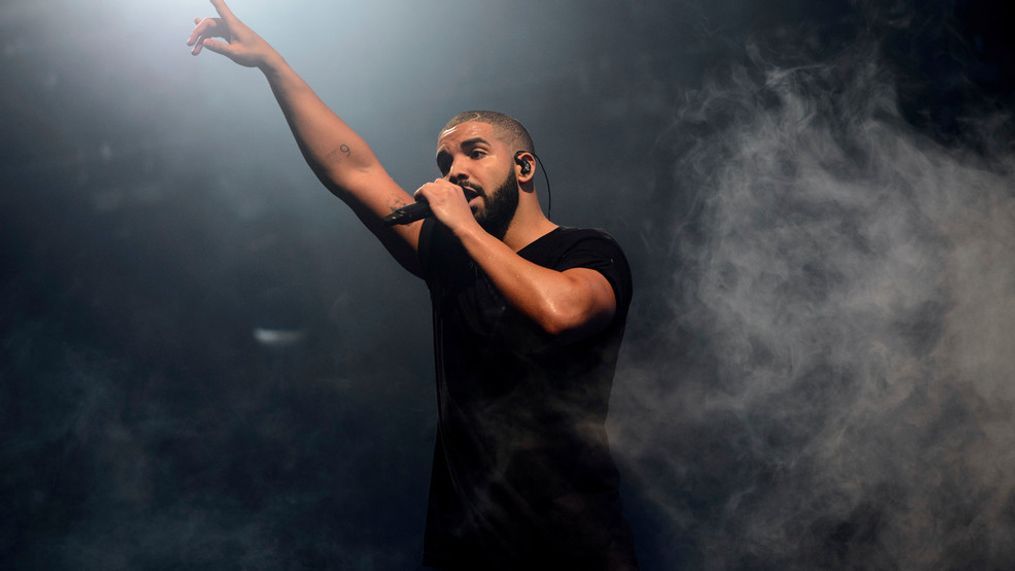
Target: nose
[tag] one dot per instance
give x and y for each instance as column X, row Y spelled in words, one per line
column 456, row 175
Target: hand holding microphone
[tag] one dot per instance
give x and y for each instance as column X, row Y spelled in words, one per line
column 443, row 195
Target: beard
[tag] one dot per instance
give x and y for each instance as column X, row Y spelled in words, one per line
column 499, row 208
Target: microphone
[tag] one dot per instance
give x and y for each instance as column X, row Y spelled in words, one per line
column 419, row 210
column 409, row 213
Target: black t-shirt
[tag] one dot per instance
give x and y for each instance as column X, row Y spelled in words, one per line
column 522, row 474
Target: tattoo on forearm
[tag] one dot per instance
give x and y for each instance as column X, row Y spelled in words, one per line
column 396, row 204
column 336, row 155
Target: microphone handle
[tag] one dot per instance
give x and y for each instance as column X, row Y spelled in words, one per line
column 409, row 213
column 418, row 210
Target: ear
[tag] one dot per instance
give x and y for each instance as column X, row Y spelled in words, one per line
column 525, row 166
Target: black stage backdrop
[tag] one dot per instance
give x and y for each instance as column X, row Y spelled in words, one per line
column 207, row 363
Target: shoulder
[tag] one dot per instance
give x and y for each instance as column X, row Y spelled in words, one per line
column 591, row 241
column 594, row 249
column 564, row 236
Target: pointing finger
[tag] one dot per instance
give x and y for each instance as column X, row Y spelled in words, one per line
column 223, row 10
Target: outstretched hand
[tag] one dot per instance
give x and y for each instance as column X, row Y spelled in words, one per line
column 239, row 43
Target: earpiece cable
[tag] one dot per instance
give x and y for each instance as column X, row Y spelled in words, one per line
column 546, row 177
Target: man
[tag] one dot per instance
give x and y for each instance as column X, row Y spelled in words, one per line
column 528, row 319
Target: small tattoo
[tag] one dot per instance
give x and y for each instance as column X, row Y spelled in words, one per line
column 396, row 204
column 342, row 149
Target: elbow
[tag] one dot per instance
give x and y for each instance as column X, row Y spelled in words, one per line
column 558, row 321
column 584, row 308
column 553, row 328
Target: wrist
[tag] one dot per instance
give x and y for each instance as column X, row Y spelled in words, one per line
column 272, row 63
column 468, row 232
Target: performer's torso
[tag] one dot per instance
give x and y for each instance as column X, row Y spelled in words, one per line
column 522, row 453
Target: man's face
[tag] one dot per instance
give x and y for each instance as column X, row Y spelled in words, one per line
column 471, row 155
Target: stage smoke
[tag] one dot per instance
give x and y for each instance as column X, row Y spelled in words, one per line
column 841, row 298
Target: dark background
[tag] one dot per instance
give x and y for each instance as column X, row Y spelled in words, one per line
column 207, row 363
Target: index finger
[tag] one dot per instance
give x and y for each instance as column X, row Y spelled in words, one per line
column 223, row 10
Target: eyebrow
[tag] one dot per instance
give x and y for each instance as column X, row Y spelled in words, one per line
column 443, row 154
column 474, row 141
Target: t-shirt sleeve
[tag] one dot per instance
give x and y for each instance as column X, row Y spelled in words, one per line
column 599, row 251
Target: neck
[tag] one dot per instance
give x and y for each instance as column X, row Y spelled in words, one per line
column 528, row 224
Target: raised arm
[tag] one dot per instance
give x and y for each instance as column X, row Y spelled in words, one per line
column 339, row 157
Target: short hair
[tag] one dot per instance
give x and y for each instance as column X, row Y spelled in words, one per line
column 506, row 124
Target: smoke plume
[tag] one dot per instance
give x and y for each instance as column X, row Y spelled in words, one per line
column 835, row 384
